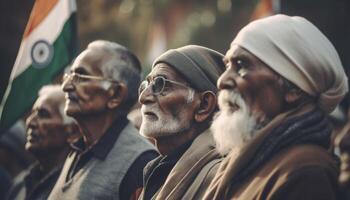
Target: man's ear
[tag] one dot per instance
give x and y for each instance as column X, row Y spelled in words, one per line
column 117, row 94
column 293, row 96
column 206, row 107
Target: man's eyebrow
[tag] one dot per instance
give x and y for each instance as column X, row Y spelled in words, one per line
column 148, row 78
column 151, row 77
column 80, row 70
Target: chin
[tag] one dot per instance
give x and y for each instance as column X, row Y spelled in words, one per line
column 32, row 148
column 27, row 146
column 344, row 179
column 71, row 108
column 72, row 112
column 155, row 130
column 148, row 132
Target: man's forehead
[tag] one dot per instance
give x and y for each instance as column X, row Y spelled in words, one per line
column 234, row 51
column 48, row 100
column 237, row 51
column 163, row 69
column 91, row 57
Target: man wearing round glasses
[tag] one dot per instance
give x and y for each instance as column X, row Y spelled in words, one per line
column 108, row 162
column 178, row 100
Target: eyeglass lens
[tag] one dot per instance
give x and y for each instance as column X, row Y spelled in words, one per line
column 157, row 85
column 75, row 78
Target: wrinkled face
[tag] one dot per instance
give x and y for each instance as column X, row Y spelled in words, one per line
column 87, row 96
column 45, row 128
column 342, row 142
column 170, row 112
column 258, row 85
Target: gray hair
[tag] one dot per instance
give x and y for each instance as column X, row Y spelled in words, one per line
column 57, row 92
column 123, row 66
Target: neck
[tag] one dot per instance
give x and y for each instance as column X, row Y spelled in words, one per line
column 50, row 160
column 167, row 144
column 94, row 127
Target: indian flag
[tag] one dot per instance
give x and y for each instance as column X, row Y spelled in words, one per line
column 48, row 45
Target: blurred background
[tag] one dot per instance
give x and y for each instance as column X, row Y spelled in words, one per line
column 150, row 27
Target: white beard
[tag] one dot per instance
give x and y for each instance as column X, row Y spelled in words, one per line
column 232, row 128
column 165, row 125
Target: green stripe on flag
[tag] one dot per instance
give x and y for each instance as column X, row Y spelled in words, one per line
column 24, row 88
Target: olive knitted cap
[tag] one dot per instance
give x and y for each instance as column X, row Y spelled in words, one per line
column 200, row 66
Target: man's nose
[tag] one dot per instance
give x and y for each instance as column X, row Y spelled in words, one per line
column 146, row 96
column 227, row 80
column 67, row 85
column 31, row 121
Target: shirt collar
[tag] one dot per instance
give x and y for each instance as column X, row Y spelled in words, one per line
column 175, row 155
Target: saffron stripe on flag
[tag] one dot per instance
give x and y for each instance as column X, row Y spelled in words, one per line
column 41, row 9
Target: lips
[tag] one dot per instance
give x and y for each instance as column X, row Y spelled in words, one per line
column 345, row 162
column 229, row 106
column 32, row 136
column 148, row 114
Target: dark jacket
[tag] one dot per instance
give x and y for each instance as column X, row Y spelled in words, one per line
column 32, row 184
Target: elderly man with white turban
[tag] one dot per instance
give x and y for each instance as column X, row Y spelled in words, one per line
column 283, row 77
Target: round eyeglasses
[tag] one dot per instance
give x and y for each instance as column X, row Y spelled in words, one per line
column 78, row 78
column 158, row 85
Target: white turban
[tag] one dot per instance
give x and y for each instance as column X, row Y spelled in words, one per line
column 294, row 48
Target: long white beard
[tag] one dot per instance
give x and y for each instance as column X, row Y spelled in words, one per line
column 232, row 129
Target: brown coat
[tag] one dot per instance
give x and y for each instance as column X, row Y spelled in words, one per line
column 300, row 172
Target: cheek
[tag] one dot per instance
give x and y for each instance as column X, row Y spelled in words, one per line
column 269, row 100
column 246, row 89
column 92, row 98
column 88, row 93
column 344, row 142
column 175, row 105
column 51, row 129
column 55, row 138
column 262, row 94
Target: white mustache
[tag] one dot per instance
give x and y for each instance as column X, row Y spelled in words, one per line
column 229, row 99
column 150, row 109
